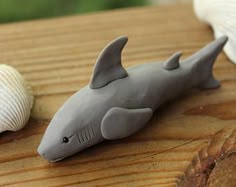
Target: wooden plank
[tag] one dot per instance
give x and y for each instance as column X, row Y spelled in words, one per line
column 56, row 57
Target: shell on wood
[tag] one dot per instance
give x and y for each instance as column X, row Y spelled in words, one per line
column 221, row 15
column 16, row 99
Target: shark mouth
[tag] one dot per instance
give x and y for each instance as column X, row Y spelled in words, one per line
column 56, row 160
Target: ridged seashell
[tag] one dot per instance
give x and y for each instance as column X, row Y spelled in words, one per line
column 221, row 15
column 16, row 100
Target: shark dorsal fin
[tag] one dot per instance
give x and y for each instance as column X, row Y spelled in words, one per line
column 172, row 62
column 108, row 65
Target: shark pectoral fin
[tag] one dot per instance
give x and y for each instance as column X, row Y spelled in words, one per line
column 120, row 123
column 108, row 65
column 210, row 83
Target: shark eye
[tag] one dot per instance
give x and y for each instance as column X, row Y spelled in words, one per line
column 65, row 140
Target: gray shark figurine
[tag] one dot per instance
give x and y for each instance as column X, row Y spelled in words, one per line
column 118, row 102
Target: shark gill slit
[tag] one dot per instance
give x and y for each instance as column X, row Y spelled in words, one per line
column 79, row 138
column 88, row 132
column 82, row 138
column 85, row 135
column 93, row 131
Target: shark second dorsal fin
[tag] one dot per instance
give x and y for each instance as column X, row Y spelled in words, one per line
column 172, row 62
column 108, row 65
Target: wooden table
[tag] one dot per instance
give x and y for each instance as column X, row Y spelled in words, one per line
column 178, row 147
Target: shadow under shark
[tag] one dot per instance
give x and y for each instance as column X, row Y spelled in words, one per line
column 118, row 102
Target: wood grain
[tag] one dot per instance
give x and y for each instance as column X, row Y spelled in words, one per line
column 56, row 56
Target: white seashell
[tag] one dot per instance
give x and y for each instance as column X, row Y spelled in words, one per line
column 221, row 15
column 16, row 100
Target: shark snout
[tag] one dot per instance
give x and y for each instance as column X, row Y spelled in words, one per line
column 44, row 152
column 41, row 151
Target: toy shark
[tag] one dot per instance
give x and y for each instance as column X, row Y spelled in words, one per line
column 118, row 102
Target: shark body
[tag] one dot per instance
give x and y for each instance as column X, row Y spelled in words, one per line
column 118, row 102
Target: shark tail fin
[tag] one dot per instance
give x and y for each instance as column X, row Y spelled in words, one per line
column 202, row 64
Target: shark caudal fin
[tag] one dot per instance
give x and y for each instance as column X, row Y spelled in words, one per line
column 202, row 64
